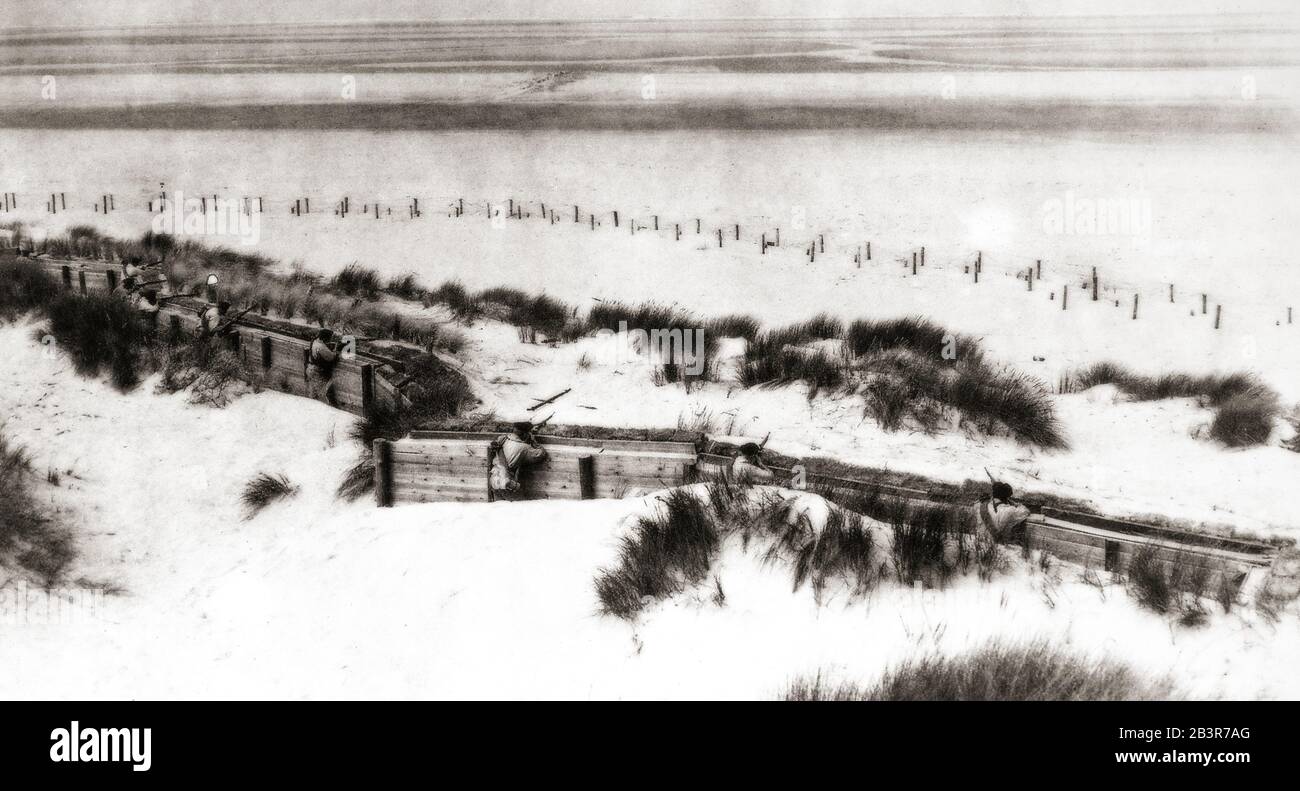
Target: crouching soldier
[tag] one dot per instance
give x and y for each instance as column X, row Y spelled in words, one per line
column 749, row 467
column 321, row 361
column 1001, row 518
column 212, row 319
column 145, row 301
column 513, row 454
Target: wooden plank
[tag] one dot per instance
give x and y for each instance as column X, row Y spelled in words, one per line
column 1180, row 555
column 447, row 467
column 1092, row 557
column 1057, row 533
column 416, row 498
column 440, row 486
column 1239, row 557
column 606, row 457
column 1080, row 519
column 433, row 454
column 418, row 474
column 547, row 440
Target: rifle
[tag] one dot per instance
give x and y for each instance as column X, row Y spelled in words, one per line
column 537, row 426
column 174, row 296
column 225, row 325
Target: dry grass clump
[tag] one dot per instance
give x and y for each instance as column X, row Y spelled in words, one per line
column 24, row 286
column 1245, row 408
column 1177, row 585
column 998, row 670
column 263, row 490
column 32, row 539
column 100, row 332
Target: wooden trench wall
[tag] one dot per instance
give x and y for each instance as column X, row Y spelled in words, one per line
column 1095, row 542
column 450, row 466
column 272, row 360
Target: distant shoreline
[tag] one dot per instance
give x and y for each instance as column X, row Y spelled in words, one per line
column 898, row 115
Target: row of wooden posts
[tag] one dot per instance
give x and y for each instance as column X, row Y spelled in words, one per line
column 518, row 210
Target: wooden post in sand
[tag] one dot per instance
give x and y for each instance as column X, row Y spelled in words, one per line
column 383, row 473
column 697, row 226
column 367, row 387
column 1039, row 266
column 913, row 262
column 1065, row 297
column 922, row 255
column 1135, row 307
column 1203, row 304
column 719, row 237
column 1218, row 315
column 615, row 219
column 737, row 232
column 575, row 214
column 1095, row 290
column 586, row 478
column 868, row 251
column 677, row 231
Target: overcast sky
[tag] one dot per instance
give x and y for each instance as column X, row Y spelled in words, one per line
column 35, row 13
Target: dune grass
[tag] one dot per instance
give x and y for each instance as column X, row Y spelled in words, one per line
column 99, row 332
column 355, row 280
column 24, row 286
column 1178, row 589
column 665, row 553
column 673, row 549
column 263, row 490
column 1245, row 408
column 999, row 670
column 32, row 539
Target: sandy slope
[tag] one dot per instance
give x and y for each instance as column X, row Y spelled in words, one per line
column 317, row 599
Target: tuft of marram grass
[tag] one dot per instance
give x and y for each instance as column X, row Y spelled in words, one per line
column 263, row 490
column 359, row 480
column 32, row 540
column 1245, row 408
column 1178, row 588
column 405, row 286
column 665, row 553
column 24, row 286
column 999, row 670
column 1244, row 421
column 99, row 332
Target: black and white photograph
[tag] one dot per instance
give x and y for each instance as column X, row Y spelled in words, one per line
column 560, row 350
